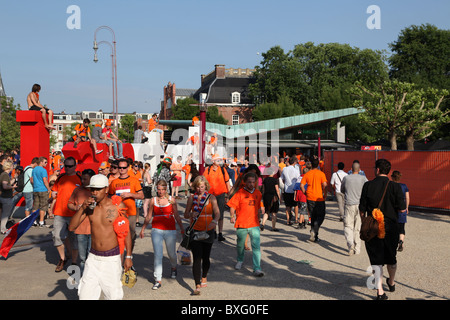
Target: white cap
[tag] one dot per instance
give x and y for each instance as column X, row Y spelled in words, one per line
column 98, row 181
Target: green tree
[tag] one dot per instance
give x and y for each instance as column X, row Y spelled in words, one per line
column 421, row 56
column 126, row 132
column 185, row 109
column 400, row 108
column 284, row 107
column 317, row 77
column 9, row 128
column 213, row 115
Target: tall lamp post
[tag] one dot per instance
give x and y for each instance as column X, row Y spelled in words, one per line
column 114, row 69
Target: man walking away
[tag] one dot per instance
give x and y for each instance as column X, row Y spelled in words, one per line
column 351, row 187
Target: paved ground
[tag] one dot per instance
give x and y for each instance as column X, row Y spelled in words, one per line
column 295, row 269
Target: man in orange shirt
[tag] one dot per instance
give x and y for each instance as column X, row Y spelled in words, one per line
column 61, row 191
column 83, row 133
column 129, row 189
column 246, row 208
column 220, row 186
column 316, row 194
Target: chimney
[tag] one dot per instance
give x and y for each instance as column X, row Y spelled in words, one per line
column 220, row 71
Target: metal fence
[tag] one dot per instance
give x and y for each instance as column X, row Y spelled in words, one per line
column 426, row 173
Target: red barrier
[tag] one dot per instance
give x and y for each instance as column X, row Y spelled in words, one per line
column 426, row 173
column 85, row 155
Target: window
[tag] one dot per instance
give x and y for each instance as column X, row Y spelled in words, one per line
column 235, row 119
column 235, row 97
column 60, row 127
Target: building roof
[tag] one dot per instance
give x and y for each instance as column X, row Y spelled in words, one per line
column 185, row 92
column 246, row 129
column 220, row 90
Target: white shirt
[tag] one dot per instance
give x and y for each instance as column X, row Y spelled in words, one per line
column 337, row 178
column 290, row 176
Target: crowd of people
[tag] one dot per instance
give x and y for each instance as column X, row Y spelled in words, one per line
column 85, row 205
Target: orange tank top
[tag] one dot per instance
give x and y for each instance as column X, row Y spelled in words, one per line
column 205, row 218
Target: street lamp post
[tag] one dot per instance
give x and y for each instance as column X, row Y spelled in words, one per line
column 114, row 69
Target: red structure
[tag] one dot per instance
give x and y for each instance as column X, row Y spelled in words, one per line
column 34, row 137
column 85, row 155
column 35, row 142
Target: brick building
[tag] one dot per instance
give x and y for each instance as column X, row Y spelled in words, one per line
column 227, row 89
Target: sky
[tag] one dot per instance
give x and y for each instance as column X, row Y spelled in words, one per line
column 175, row 41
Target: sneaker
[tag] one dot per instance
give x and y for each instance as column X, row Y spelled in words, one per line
column 221, row 237
column 157, row 285
column 173, row 273
column 60, row 265
column 238, row 265
column 312, row 236
column 98, row 151
column 258, row 273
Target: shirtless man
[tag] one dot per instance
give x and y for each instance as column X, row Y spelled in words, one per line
column 103, row 268
column 34, row 104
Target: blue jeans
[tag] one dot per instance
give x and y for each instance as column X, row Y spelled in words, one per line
column 169, row 237
column 116, row 145
column 255, row 243
column 84, row 245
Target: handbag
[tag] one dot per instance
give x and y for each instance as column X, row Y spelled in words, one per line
column 189, row 232
column 369, row 225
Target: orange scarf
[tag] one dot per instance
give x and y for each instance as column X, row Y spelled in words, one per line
column 378, row 215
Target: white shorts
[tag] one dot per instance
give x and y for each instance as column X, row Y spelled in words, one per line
column 101, row 274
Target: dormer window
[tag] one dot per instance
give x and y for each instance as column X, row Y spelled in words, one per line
column 235, row 98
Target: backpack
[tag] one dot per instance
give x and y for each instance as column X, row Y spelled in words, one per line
column 21, row 181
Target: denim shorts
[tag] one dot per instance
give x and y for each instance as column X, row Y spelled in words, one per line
column 28, row 201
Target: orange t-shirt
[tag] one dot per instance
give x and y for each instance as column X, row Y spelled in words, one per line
column 176, row 168
column 151, row 124
column 64, row 186
column 137, row 175
column 247, row 205
column 314, row 178
column 81, row 130
column 187, row 169
column 130, row 184
column 217, row 180
column 193, row 139
column 78, row 196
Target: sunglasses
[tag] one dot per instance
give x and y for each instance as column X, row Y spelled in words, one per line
column 114, row 167
column 68, row 166
column 123, row 167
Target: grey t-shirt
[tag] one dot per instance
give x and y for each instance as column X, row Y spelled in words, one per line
column 352, row 186
column 97, row 133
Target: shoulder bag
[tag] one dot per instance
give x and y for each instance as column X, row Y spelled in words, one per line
column 369, row 225
column 189, row 232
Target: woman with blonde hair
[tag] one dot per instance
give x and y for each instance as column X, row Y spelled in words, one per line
column 203, row 229
column 6, row 196
column 164, row 211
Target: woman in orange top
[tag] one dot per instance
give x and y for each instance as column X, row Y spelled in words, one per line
column 207, row 221
column 176, row 168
